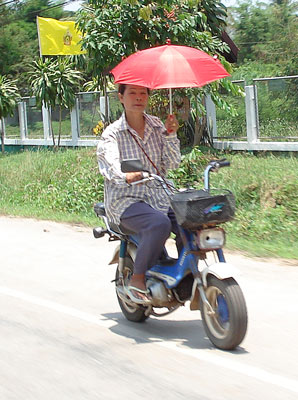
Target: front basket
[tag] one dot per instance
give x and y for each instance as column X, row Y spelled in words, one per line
column 194, row 208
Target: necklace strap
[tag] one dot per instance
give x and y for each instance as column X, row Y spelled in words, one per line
column 149, row 159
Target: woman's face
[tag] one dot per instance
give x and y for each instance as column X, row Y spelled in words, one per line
column 134, row 98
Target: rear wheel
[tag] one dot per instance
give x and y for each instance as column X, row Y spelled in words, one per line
column 133, row 312
column 227, row 327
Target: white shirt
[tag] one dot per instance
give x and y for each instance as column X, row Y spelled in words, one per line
column 117, row 144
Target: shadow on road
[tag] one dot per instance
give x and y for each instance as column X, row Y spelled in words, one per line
column 186, row 333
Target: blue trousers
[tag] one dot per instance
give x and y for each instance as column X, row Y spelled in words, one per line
column 153, row 229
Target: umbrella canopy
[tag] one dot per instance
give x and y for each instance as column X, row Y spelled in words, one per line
column 169, row 66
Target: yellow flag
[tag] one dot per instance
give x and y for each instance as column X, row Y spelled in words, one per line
column 58, row 37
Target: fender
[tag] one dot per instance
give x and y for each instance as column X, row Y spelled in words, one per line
column 115, row 257
column 131, row 249
column 220, row 270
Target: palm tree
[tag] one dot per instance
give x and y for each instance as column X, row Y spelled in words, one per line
column 42, row 83
column 67, row 81
column 54, row 82
column 9, row 97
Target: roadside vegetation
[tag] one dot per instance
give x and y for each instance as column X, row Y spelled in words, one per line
column 63, row 186
column 265, row 33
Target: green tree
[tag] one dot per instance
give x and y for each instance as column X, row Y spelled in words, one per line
column 20, row 46
column 283, row 36
column 267, row 33
column 28, row 10
column 18, row 35
column 115, row 30
column 9, row 97
column 251, row 24
column 54, row 83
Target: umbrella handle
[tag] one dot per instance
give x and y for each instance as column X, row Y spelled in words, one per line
column 171, row 101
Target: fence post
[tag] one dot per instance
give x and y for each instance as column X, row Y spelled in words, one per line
column 251, row 115
column 23, row 119
column 46, row 120
column 105, row 107
column 211, row 116
column 75, row 126
column 2, row 126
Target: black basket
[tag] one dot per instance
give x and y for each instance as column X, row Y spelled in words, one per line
column 194, row 208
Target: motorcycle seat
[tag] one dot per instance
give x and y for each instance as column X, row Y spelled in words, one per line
column 120, row 229
column 100, row 211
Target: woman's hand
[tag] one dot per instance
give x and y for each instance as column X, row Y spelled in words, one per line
column 133, row 176
column 171, row 124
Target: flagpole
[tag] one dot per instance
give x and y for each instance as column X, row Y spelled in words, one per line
column 47, row 126
column 38, row 34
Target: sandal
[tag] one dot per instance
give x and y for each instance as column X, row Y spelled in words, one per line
column 137, row 295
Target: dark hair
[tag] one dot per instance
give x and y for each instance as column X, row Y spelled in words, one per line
column 122, row 87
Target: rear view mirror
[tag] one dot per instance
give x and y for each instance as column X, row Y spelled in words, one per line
column 133, row 165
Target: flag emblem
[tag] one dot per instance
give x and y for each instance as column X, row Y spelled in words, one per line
column 58, row 37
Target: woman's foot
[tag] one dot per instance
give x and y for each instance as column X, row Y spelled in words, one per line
column 137, row 290
column 138, row 281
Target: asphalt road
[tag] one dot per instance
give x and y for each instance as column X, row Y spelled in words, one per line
column 62, row 335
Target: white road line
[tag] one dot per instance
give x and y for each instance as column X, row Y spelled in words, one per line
column 253, row 372
column 51, row 305
column 244, row 369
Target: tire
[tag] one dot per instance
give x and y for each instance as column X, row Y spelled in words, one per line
column 135, row 313
column 227, row 328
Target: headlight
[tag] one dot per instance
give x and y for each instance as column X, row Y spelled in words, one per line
column 211, row 239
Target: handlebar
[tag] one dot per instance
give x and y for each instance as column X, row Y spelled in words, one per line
column 213, row 166
column 225, row 163
column 216, row 164
column 146, row 176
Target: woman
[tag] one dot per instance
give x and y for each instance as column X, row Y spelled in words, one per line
column 143, row 209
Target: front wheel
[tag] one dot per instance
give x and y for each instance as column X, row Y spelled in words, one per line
column 227, row 326
column 133, row 312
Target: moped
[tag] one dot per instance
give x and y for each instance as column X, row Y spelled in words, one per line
column 208, row 283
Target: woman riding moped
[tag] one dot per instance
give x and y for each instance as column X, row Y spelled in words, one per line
column 139, row 208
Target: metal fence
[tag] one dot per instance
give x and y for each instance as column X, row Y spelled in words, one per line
column 91, row 109
column 267, row 118
column 232, row 128
column 31, row 126
column 277, row 108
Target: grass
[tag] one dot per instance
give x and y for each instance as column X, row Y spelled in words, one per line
column 64, row 185
column 266, row 194
column 283, row 130
column 35, row 130
column 59, row 185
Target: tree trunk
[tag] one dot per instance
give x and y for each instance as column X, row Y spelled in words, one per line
column 52, row 132
column 60, row 123
column 2, row 135
column 200, row 126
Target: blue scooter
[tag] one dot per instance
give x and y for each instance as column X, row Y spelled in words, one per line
column 208, row 283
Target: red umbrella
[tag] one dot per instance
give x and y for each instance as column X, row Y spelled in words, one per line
column 169, row 66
